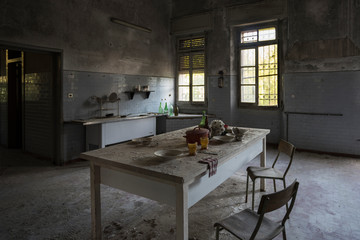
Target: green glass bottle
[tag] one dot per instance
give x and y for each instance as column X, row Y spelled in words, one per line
column 166, row 110
column 176, row 110
column 161, row 110
column 203, row 120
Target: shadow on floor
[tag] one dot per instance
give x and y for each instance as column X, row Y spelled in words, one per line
column 42, row 201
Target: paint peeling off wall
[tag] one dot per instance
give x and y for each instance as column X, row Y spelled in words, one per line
column 323, row 65
column 88, row 38
column 319, row 49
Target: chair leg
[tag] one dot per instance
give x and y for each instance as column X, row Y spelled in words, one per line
column 247, row 188
column 284, row 234
column 217, row 232
column 274, row 185
column 287, row 207
column 253, row 196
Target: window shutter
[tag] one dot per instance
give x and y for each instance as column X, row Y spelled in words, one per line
column 198, row 61
column 192, row 44
column 184, row 62
column 185, row 44
column 198, row 43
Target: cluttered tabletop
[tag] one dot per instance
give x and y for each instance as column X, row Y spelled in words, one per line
column 169, row 156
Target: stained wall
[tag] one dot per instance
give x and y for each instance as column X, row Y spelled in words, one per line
column 319, row 68
column 92, row 46
column 319, row 41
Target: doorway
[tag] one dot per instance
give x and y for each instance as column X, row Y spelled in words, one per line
column 33, row 89
column 14, row 60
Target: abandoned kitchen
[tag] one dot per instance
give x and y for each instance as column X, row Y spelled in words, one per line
column 179, row 119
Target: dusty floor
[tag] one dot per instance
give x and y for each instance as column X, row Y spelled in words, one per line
column 40, row 201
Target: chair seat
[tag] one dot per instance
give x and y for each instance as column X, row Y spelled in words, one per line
column 243, row 223
column 256, row 172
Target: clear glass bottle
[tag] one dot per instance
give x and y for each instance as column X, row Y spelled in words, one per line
column 171, row 110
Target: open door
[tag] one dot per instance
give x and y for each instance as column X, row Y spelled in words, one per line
column 30, row 105
column 15, row 98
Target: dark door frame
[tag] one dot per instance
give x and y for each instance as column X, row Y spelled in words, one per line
column 58, row 155
column 15, row 101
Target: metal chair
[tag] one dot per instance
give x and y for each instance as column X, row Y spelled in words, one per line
column 249, row 224
column 270, row 173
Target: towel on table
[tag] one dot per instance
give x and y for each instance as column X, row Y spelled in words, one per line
column 212, row 165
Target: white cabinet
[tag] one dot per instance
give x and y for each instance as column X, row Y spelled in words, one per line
column 103, row 134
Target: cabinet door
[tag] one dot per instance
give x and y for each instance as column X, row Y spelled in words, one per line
column 121, row 131
column 93, row 137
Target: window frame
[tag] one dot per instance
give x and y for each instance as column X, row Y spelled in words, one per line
column 256, row 45
column 190, row 106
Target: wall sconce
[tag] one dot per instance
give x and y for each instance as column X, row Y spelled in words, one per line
column 221, row 79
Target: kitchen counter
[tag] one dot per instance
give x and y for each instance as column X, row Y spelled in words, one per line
column 101, row 132
column 102, row 120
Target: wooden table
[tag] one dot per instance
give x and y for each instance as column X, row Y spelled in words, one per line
column 180, row 182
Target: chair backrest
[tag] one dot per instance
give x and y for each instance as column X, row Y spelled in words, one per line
column 276, row 200
column 288, row 149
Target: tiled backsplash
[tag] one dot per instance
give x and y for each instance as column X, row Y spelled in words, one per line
column 79, row 87
column 173, row 124
column 39, row 127
column 3, row 111
column 323, row 111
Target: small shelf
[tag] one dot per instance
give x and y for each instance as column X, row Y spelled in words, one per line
column 132, row 93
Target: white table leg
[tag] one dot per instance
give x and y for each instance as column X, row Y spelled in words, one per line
column 95, row 201
column 182, row 230
column 263, row 164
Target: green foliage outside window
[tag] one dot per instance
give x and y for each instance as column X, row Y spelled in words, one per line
column 259, row 67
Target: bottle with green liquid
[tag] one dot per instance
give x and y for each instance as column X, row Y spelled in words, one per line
column 203, row 120
column 166, row 110
column 161, row 110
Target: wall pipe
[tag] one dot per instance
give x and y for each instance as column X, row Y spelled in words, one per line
column 307, row 113
column 137, row 27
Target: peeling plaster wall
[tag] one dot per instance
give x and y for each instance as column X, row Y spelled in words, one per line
column 320, row 40
column 322, row 76
column 323, row 36
column 92, row 46
column 89, row 40
column 223, row 102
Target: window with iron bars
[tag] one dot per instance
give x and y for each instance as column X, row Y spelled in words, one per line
column 258, row 66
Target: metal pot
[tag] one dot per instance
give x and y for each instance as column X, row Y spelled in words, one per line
column 194, row 135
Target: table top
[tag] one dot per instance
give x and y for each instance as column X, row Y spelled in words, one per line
column 140, row 159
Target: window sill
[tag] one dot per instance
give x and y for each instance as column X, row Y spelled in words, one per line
column 247, row 106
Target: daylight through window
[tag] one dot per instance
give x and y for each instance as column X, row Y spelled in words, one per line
column 191, row 70
column 259, row 67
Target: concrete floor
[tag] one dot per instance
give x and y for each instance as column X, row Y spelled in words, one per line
column 40, row 201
